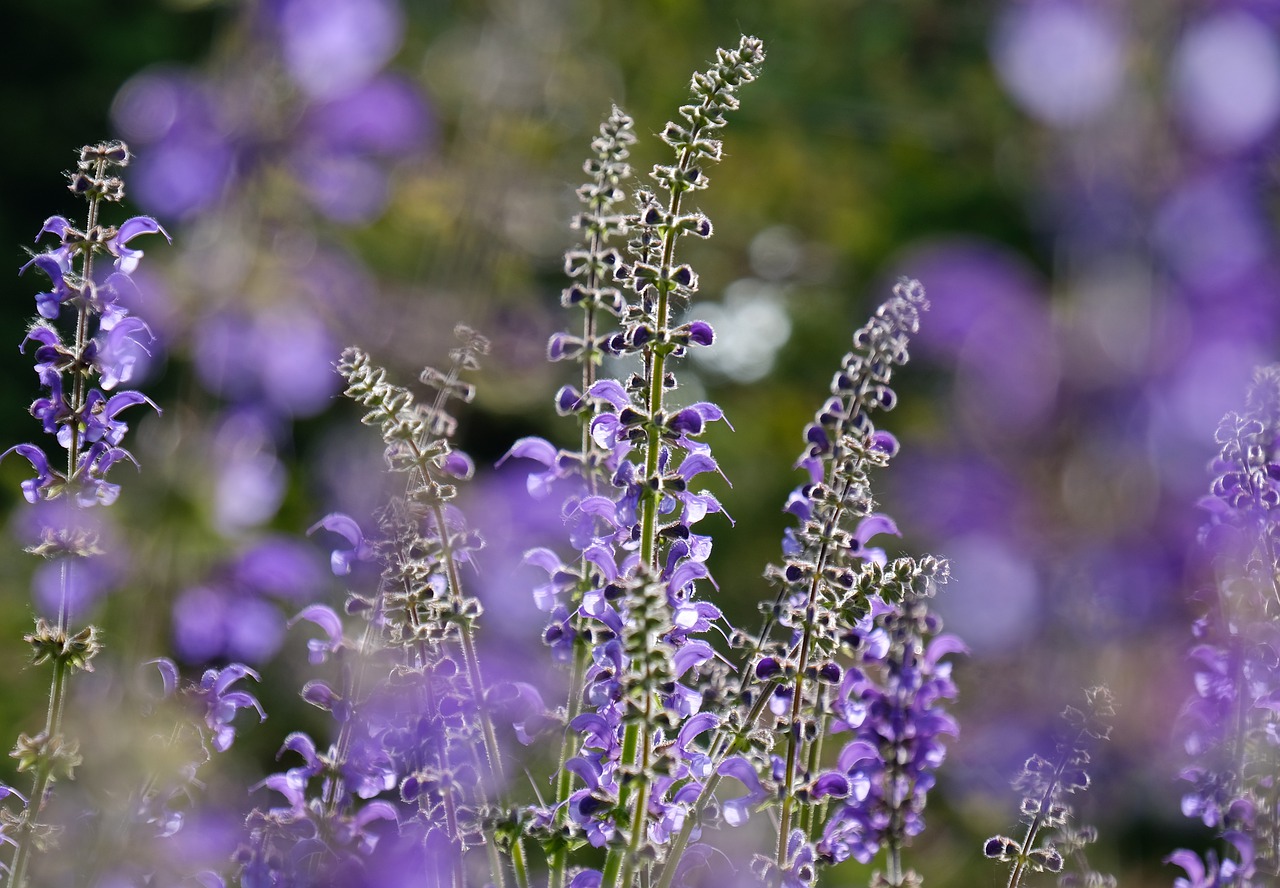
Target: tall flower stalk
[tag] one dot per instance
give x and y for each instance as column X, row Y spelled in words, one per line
column 629, row 602
column 848, row 645
column 662, row 721
column 1229, row 725
column 410, row 701
column 1050, row 840
column 85, row 345
column 663, row 437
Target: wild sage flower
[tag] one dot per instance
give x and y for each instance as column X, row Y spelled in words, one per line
column 1228, row 726
column 408, row 700
column 891, row 700
column 630, row 502
column 76, row 367
column 1051, row 841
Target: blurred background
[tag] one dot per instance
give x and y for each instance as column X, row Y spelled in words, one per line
column 1086, row 188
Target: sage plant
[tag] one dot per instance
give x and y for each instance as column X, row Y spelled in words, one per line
column 633, row 591
column 1229, row 726
column 408, row 699
column 1051, row 842
column 660, row 719
column 85, row 345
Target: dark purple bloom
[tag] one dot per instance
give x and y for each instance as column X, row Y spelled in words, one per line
column 700, row 333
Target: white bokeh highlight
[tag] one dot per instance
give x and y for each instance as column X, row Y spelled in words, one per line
column 751, row 325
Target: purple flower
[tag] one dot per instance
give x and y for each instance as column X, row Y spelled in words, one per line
column 43, row 486
column 221, row 702
column 738, row 810
column 345, row 526
column 320, row 649
column 127, row 259
column 57, row 265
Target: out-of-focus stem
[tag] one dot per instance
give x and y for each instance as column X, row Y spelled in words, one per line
column 43, row 778
column 564, row 778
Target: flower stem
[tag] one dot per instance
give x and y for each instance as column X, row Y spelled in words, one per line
column 720, row 751
column 564, row 777
column 43, row 779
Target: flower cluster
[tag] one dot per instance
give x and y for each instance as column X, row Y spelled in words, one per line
column 85, row 344
column 104, row 346
column 1228, row 726
column 663, row 722
column 627, row 612
column 407, row 700
column 661, row 725
column 891, row 701
column 1051, row 840
column 848, row 644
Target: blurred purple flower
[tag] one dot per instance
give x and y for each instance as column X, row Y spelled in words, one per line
column 294, row 353
column 74, row 584
column 1226, row 81
column 385, row 117
column 1211, row 230
column 248, row 477
column 1061, row 60
column 234, row 615
column 189, row 159
column 333, row 46
column 991, row 316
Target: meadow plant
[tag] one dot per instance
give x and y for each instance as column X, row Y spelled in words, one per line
column 670, row 748
column 85, row 345
column 1052, row 842
column 656, row 716
column 1228, row 726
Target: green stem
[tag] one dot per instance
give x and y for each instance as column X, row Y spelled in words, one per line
column 708, row 792
column 43, row 779
column 640, row 811
column 802, row 665
column 57, row 691
column 808, row 814
column 564, row 778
